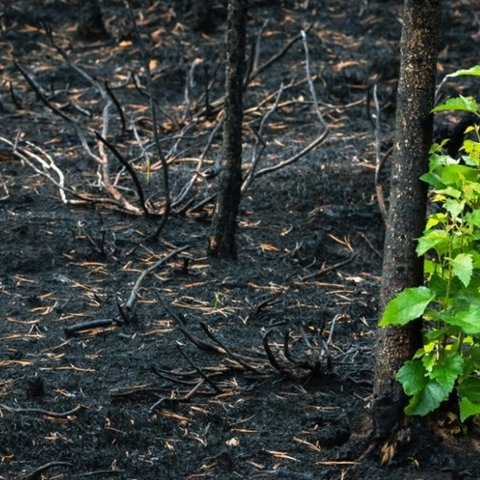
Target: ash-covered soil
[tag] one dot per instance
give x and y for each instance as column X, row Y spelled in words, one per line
column 257, row 368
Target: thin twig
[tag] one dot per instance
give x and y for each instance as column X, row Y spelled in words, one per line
column 79, row 327
column 277, row 56
column 305, row 365
column 324, row 125
column 100, row 159
column 100, row 472
column 303, row 33
column 186, row 189
column 15, row 100
column 270, row 355
column 198, row 369
column 331, row 268
column 369, row 243
column 35, row 474
column 293, row 158
column 202, row 345
column 169, row 376
column 48, row 413
column 141, row 89
column 256, row 156
column 161, row 156
column 129, row 169
column 231, row 354
column 130, row 306
column 256, row 56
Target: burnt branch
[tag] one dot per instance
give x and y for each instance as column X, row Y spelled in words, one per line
column 316, row 356
column 232, row 355
column 35, row 474
column 199, row 370
column 130, row 306
column 161, row 156
column 41, row 411
column 324, row 126
column 324, row 270
column 80, row 327
column 277, row 56
column 129, row 169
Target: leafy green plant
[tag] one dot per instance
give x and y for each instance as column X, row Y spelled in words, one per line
column 449, row 302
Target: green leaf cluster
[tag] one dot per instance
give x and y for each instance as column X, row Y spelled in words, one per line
column 449, row 303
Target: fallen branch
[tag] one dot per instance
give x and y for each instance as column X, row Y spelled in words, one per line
column 310, row 366
column 80, row 327
column 231, row 354
column 128, row 310
column 184, row 398
column 256, row 155
column 200, row 344
column 277, row 56
column 199, row 370
column 100, row 472
column 329, row 269
column 129, row 169
column 161, row 156
column 35, row 474
column 324, row 125
column 41, row 411
column 101, row 159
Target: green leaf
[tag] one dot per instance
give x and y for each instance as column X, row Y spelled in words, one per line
column 473, row 218
column 412, row 376
column 447, row 372
column 454, row 207
column 428, row 399
column 473, row 71
column 436, row 160
column 467, row 320
column 457, row 174
column 429, row 361
column 407, row 306
column 451, row 192
column 470, row 388
column 462, row 266
column 468, row 409
column 432, row 240
column 472, row 149
column 432, row 179
column 436, row 219
column 460, row 103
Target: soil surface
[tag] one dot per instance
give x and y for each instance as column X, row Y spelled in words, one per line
column 201, row 368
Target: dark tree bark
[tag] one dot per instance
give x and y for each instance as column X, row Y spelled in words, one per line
column 408, row 198
column 222, row 239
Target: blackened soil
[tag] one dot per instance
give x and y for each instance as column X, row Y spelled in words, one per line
column 181, row 386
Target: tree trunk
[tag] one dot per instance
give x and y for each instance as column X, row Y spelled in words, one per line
column 408, row 198
column 222, row 239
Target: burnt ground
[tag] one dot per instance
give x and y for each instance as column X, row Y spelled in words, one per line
column 182, row 387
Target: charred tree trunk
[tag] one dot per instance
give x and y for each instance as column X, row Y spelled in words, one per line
column 408, row 198
column 222, row 239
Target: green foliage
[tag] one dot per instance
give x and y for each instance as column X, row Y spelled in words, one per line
column 449, row 303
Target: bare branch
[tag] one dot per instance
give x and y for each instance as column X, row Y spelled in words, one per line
column 131, row 303
column 323, row 124
column 161, row 156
